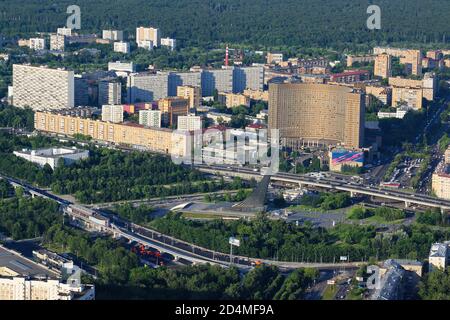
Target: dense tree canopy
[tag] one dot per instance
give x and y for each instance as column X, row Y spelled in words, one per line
column 326, row 23
column 264, row 238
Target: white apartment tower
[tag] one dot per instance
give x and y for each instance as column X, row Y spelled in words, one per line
column 145, row 35
column 37, row 44
column 42, row 88
column 57, row 42
column 109, row 92
column 150, row 118
column 112, row 113
column 189, row 123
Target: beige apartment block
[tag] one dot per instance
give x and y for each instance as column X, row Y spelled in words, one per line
column 171, row 109
column 359, row 59
column 193, row 93
column 383, row 66
column 274, row 58
column 428, row 84
column 412, row 97
column 384, row 94
column 153, row 139
column 257, row 95
column 231, row 100
column 144, row 35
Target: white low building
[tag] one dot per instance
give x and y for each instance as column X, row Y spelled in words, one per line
column 399, row 113
column 51, row 156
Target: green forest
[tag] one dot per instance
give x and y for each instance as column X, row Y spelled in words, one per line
column 326, row 23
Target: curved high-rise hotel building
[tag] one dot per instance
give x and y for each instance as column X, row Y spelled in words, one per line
column 317, row 115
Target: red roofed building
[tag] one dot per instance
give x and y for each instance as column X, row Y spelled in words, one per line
column 350, row 76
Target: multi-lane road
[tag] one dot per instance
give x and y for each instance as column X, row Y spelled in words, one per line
column 336, row 183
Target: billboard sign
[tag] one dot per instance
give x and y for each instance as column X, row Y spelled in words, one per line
column 346, row 156
column 234, row 242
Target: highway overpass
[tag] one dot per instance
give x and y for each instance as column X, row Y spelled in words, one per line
column 334, row 184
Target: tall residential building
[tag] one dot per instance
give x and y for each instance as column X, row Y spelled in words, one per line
column 153, row 139
column 429, row 84
column 112, row 113
column 316, row 115
column 220, row 80
column 194, row 94
column 168, row 42
column 64, row 31
column 109, row 92
column 412, row 60
column 144, row 35
column 122, row 47
column 113, row 35
column 381, row 93
column 150, row 118
column 435, row 54
column 189, row 123
column 177, row 79
column 441, row 177
column 58, row 42
column 411, row 97
column 147, row 87
column 37, row 44
column 248, row 78
column 43, row 88
column 383, row 66
column 172, row 108
column 81, row 90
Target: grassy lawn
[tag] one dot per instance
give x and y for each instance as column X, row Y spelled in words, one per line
column 381, row 220
column 330, row 292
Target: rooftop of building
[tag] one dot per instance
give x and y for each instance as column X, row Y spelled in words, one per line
column 439, row 250
column 390, row 282
column 51, row 152
column 22, row 266
column 350, row 73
